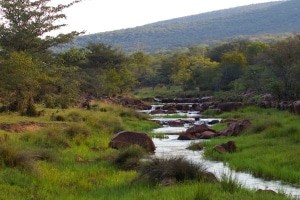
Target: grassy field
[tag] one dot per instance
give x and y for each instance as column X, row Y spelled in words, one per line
column 269, row 148
column 66, row 156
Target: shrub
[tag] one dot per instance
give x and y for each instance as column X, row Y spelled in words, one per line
column 129, row 158
column 25, row 159
column 108, row 123
column 55, row 117
column 76, row 130
column 174, row 168
column 51, row 137
column 75, row 117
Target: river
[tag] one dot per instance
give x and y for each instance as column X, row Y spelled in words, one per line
column 171, row 147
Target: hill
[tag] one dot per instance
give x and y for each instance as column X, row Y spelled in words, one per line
column 257, row 19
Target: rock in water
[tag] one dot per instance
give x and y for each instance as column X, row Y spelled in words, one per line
column 126, row 138
column 196, row 132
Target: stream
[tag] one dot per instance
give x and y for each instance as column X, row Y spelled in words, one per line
column 171, row 147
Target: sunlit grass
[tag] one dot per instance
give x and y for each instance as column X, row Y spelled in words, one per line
column 83, row 167
column 269, row 148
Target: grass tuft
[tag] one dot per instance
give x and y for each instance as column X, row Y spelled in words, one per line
column 174, row 168
column 129, row 158
column 230, row 184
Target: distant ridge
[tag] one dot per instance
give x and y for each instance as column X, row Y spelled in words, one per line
column 257, row 19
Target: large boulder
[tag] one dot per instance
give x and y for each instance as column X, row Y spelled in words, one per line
column 207, row 135
column 235, row 128
column 296, row 107
column 126, row 138
column 199, row 129
column 197, row 132
column 229, row 106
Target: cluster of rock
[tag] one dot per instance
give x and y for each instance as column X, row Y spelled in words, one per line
column 205, row 103
column 198, row 132
column 234, row 128
column 200, row 107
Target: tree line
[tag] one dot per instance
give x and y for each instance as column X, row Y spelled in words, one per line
column 31, row 73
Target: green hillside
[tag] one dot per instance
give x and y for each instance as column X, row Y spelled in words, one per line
column 258, row 19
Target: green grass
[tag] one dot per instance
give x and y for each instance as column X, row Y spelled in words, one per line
column 269, row 148
column 81, row 167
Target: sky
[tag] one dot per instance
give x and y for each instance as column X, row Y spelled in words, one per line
column 93, row 16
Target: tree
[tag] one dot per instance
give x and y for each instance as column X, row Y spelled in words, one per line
column 140, row 64
column 27, row 63
column 19, row 80
column 205, row 75
column 25, row 23
column 103, row 56
column 231, row 67
column 283, row 59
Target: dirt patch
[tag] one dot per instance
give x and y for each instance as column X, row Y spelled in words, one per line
column 21, row 127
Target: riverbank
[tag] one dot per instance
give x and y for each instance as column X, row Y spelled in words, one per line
column 269, row 148
column 64, row 154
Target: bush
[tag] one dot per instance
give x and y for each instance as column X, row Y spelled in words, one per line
column 75, row 117
column 108, row 123
column 129, row 158
column 31, row 111
column 174, row 168
column 59, row 118
column 12, row 157
column 77, row 130
column 52, row 137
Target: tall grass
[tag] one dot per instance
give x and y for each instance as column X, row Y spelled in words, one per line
column 65, row 178
column 129, row 158
column 174, row 168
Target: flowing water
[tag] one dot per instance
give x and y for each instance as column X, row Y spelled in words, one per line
column 171, row 147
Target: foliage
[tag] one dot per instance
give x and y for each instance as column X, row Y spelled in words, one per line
column 283, row 60
column 24, row 24
column 20, row 80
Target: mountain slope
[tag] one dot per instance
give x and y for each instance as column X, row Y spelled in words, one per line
column 267, row 18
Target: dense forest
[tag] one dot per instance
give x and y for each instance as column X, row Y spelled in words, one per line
column 258, row 20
